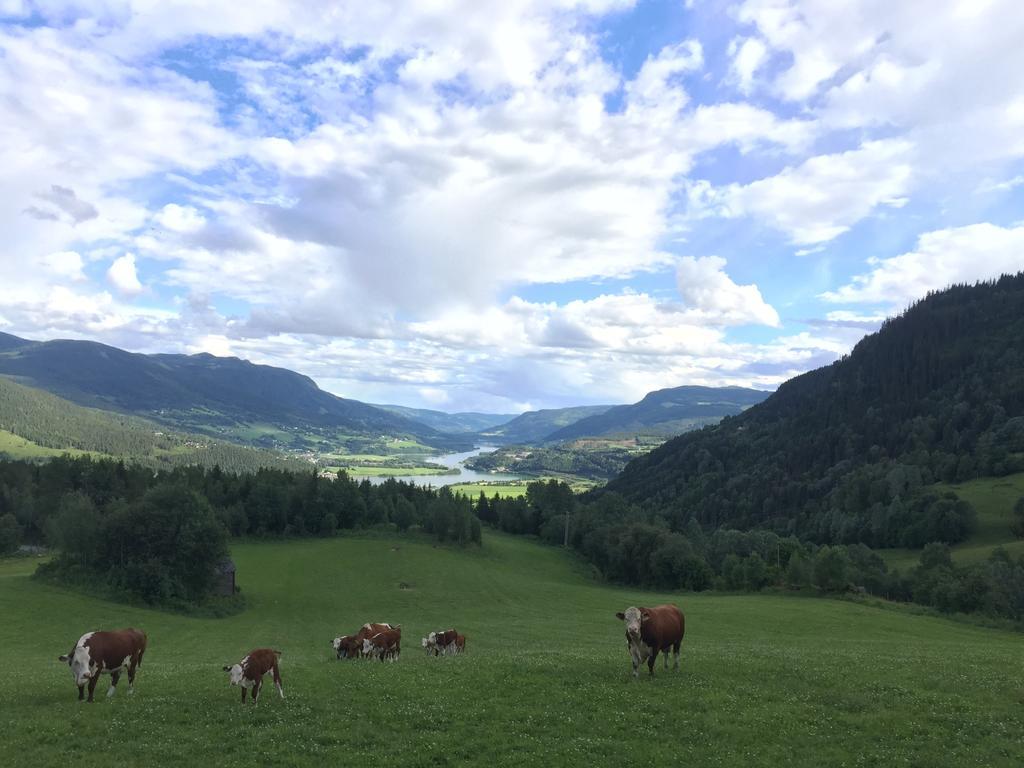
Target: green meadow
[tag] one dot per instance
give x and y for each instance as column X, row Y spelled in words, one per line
column 546, row 680
column 993, row 499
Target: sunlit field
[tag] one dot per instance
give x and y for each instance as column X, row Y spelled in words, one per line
column 546, row 678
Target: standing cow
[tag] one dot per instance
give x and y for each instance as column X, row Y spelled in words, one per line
column 106, row 653
column 249, row 672
column 385, row 645
column 650, row 630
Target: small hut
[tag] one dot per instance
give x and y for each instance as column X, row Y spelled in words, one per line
column 226, row 577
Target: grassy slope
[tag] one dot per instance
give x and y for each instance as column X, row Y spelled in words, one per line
column 993, row 499
column 17, row 447
column 765, row 680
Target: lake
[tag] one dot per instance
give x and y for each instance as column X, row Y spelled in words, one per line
column 451, row 460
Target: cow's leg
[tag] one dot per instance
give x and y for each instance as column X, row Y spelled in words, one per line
column 114, row 677
column 132, row 666
column 256, row 691
column 277, row 680
column 665, row 654
column 635, row 654
column 244, row 690
column 650, row 661
column 92, row 685
column 675, row 653
column 81, row 692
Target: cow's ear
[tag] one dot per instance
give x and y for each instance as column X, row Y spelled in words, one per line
column 63, row 658
column 620, row 616
column 644, row 616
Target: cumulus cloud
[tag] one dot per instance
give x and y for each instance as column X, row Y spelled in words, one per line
column 706, row 288
column 123, row 276
column 748, row 55
column 941, row 258
column 820, row 199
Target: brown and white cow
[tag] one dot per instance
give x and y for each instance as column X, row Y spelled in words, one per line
column 249, row 672
column 443, row 642
column 351, row 646
column 106, row 653
column 653, row 630
column 384, row 645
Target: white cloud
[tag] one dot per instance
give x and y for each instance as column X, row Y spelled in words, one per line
column 123, row 277
column 941, row 258
column 64, row 264
column 747, row 58
column 820, row 199
column 706, row 287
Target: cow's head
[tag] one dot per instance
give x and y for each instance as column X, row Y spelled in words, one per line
column 81, row 664
column 634, row 618
column 367, row 646
column 336, row 645
column 234, row 673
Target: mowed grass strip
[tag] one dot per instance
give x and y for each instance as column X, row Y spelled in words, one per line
column 546, row 678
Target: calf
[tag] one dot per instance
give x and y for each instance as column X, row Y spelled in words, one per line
column 348, row 646
column 249, row 672
column 384, row 645
column 103, row 653
column 650, row 630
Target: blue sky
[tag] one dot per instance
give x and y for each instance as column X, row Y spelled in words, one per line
column 502, row 206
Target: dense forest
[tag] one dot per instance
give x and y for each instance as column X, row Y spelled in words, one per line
column 52, row 422
column 628, row 545
column 845, row 453
column 159, row 535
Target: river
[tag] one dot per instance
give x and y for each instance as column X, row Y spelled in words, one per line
column 451, row 460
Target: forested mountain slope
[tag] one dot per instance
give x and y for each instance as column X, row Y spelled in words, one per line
column 665, row 412
column 456, row 423
column 194, row 392
column 535, row 426
column 842, row 454
column 50, row 422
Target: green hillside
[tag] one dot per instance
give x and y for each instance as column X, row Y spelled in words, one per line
column 545, row 681
column 36, row 424
column 847, row 453
column 993, row 499
column 456, row 423
column 664, row 413
column 535, row 426
column 220, row 396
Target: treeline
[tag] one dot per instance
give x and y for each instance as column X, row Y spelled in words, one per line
column 630, row 546
column 52, row 422
column 595, row 464
column 118, row 523
column 841, row 454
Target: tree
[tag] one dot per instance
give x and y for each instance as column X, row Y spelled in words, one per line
column 798, row 571
column 1018, row 518
column 10, row 534
column 830, row 565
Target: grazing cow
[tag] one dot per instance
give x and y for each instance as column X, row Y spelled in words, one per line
column 348, row 646
column 249, row 672
column 442, row 642
column 459, row 646
column 650, row 630
column 102, row 653
column 351, row 646
column 384, row 645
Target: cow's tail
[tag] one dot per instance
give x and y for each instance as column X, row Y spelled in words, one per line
column 277, row 653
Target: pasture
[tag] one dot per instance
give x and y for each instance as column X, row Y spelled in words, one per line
column 993, row 499
column 546, row 680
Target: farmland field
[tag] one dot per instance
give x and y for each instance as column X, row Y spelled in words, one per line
column 765, row 680
column 993, row 499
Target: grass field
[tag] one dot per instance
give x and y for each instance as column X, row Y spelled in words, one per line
column 507, row 490
column 993, row 499
column 765, row 680
column 18, row 447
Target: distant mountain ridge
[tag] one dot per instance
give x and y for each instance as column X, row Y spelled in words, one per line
column 455, row 423
column 196, row 392
column 535, row 426
column 664, row 412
